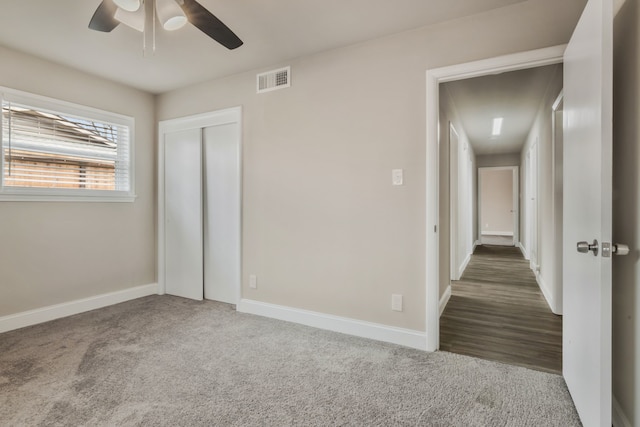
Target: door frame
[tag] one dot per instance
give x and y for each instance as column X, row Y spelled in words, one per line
column 532, row 207
column 215, row 118
column 453, row 208
column 435, row 76
column 556, row 201
column 515, row 199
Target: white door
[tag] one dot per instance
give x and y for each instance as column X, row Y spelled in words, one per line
column 222, row 213
column 183, row 214
column 587, row 213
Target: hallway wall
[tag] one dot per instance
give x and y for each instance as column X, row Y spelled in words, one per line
column 541, row 131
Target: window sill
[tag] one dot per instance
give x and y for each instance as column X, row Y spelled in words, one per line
column 40, row 197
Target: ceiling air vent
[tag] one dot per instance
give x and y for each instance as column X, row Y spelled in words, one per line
column 275, row 79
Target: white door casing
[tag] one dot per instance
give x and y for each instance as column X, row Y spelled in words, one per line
column 587, row 166
column 511, row 206
column 454, row 147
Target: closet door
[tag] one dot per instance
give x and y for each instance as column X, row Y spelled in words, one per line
column 183, row 213
column 222, row 212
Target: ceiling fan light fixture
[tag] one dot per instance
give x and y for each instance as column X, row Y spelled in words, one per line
column 170, row 15
column 128, row 5
column 134, row 20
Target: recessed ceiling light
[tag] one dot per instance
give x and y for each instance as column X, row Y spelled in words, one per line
column 497, row 126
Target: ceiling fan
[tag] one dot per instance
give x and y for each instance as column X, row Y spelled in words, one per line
column 172, row 14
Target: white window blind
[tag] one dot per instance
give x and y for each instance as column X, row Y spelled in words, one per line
column 57, row 151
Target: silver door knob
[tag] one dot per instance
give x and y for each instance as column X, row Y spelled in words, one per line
column 620, row 249
column 584, row 247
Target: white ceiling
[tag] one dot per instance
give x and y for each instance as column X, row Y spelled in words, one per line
column 273, row 31
column 516, row 96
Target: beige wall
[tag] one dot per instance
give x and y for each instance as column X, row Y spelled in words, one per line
column 324, row 230
column 59, row 252
column 454, row 194
column 494, row 160
column 626, row 210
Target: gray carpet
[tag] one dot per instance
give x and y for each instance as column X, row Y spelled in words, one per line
column 167, row 361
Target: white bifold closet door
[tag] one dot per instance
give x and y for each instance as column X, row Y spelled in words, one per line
column 183, row 214
column 202, row 213
column 221, row 213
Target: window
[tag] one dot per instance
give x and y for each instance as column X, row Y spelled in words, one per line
column 53, row 150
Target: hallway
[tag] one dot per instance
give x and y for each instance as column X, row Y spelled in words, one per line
column 497, row 312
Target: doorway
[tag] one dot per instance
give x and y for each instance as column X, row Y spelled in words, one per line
column 435, row 77
column 199, row 206
column 498, row 191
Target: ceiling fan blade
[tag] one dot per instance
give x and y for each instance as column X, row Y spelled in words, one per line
column 206, row 22
column 103, row 18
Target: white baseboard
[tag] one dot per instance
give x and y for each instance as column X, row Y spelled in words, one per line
column 359, row 328
column 523, row 250
column 618, row 418
column 475, row 245
column 444, row 299
column 545, row 291
column 52, row 312
column 464, row 265
column 497, row 233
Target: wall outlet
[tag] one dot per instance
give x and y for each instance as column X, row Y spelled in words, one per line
column 253, row 281
column 396, row 302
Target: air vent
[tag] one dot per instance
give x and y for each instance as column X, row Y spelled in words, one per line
column 276, row 79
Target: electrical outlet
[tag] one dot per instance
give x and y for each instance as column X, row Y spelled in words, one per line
column 253, row 281
column 396, row 302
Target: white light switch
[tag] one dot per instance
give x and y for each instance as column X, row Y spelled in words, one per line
column 396, row 302
column 253, row 281
column 396, row 177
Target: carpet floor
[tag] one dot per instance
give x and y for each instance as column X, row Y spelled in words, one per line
column 167, row 361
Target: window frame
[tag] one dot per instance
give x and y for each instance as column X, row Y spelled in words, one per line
column 15, row 194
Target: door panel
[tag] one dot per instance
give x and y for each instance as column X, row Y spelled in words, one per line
column 222, row 213
column 183, row 214
column 587, row 213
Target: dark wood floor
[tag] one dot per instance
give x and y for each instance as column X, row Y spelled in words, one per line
column 498, row 312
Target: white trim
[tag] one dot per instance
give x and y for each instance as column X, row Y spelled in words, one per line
column 556, row 221
column 52, row 312
column 546, row 291
column 444, row 299
column 515, row 171
column 359, row 328
column 523, row 250
column 618, row 418
column 61, row 196
column 534, row 267
column 497, row 233
column 454, row 199
column 464, row 264
column 518, row 61
column 198, row 121
column 475, row 245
